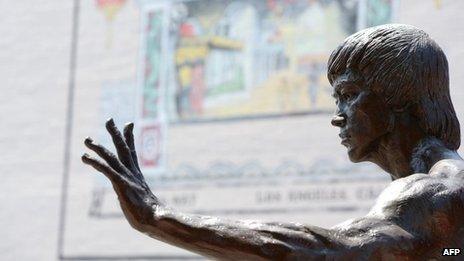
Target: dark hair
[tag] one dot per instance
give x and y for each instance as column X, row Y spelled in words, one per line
column 403, row 65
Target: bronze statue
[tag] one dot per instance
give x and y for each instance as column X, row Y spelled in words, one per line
column 394, row 109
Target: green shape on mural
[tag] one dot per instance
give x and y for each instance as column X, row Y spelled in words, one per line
column 153, row 58
column 234, row 85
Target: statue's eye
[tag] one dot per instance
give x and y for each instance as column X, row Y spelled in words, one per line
column 348, row 96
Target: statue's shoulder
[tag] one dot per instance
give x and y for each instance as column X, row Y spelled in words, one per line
column 426, row 205
column 412, row 209
column 419, row 192
column 446, row 174
column 448, row 168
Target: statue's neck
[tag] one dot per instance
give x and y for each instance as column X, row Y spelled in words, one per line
column 417, row 157
column 408, row 154
column 428, row 152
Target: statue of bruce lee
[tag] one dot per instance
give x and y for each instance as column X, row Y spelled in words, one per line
column 394, row 109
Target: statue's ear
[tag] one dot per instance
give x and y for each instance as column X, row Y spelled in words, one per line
column 399, row 112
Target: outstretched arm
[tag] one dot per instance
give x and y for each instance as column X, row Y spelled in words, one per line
column 207, row 236
column 237, row 240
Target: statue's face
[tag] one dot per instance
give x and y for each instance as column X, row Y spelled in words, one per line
column 363, row 117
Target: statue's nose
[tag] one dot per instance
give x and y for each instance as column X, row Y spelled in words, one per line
column 338, row 121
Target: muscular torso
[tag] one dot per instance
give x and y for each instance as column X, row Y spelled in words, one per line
column 414, row 217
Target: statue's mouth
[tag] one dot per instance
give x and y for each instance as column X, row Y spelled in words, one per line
column 345, row 138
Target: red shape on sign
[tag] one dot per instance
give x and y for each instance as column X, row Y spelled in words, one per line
column 150, row 149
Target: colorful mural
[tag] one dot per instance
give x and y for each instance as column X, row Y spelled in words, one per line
column 151, row 120
column 151, row 85
column 238, row 59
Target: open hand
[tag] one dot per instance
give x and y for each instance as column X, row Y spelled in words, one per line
column 122, row 170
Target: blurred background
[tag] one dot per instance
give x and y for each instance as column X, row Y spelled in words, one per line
column 230, row 100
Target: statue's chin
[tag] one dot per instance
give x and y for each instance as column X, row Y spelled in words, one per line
column 354, row 155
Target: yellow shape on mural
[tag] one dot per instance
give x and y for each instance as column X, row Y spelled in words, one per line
column 110, row 8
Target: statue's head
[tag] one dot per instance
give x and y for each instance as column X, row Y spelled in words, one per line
column 388, row 73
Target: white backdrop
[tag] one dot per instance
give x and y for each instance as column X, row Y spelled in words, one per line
column 34, row 70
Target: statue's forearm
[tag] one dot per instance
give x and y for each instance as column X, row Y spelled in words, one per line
column 249, row 240
column 238, row 240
